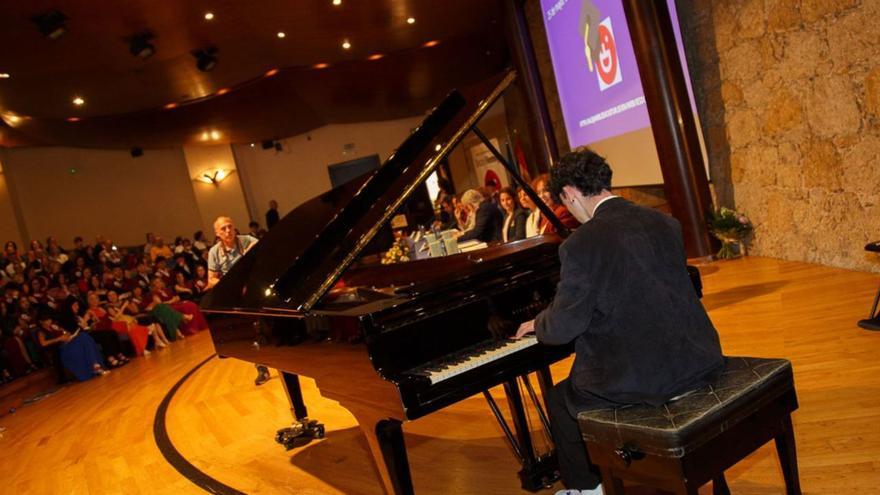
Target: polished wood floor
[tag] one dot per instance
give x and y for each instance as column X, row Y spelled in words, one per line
column 97, row 437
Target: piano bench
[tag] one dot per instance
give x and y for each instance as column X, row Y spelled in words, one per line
column 685, row 443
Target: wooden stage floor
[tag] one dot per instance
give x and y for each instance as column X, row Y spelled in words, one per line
column 97, row 437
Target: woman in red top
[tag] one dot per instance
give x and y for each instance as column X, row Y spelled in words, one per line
column 540, row 185
column 194, row 320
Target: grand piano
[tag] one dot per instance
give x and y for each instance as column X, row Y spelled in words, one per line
column 392, row 343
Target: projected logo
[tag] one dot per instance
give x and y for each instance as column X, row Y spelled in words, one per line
column 608, row 65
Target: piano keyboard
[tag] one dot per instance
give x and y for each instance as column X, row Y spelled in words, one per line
column 459, row 363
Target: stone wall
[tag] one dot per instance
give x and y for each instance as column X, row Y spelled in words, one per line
column 789, row 97
column 789, row 92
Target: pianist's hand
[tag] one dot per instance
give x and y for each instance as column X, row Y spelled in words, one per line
column 525, row 328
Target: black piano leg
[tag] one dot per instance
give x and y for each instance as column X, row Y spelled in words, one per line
column 537, row 472
column 294, row 394
column 385, row 438
column 303, row 429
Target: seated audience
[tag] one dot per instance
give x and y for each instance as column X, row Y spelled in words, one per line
column 514, row 227
column 488, row 220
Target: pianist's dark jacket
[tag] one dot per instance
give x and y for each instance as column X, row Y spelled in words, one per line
column 625, row 298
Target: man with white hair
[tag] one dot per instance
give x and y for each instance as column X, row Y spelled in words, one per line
column 488, row 218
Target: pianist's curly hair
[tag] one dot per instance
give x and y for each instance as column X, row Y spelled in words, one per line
column 583, row 169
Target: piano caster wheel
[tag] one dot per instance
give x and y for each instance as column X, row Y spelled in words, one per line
column 299, row 434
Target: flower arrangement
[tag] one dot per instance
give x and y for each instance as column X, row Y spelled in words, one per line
column 397, row 253
column 731, row 228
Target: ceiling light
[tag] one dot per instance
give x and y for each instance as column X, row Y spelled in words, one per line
column 375, row 56
column 139, row 45
column 337, row 2
column 79, row 101
column 346, row 45
column 4, row 75
column 51, row 24
column 271, row 72
column 209, row 16
column 411, row 20
column 206, row 58
column 73, row 119
column 12, row 118
column 169, row 106
column 215, row 135
column 281, row 34
column 321, row 65
column 431, row 43
column 222, row 91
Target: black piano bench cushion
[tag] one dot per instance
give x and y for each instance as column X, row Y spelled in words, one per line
column 681, row 426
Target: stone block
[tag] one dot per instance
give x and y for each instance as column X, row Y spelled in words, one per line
column 751, row 20
column 872, row 92
column 743, row 128
column 821, row 165
column 814, row 10
column 831, row 107
column 783, row 114
column 783, row 14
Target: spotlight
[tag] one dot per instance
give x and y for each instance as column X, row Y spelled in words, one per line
column 4, row 75
column 139, row 45
column 136, row 152
column 206, row 58
column 51, row 24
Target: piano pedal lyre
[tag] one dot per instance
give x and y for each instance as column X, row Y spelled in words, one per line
column 300, row 433
column 303, row 430
column 539, row 471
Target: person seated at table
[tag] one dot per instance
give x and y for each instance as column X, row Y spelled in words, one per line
column 514, row 227
column 488, row 220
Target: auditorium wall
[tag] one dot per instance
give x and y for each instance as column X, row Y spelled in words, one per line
column 67, row 192
column 298, row 171
column 789, row 98
column 791, row 89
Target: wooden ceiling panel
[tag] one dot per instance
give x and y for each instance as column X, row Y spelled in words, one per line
column 125, row 96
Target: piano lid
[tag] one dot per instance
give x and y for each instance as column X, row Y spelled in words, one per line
column 306, row 252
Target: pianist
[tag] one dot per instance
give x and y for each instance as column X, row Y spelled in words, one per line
column 625, row 299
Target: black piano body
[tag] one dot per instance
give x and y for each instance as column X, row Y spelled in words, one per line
column 393, row 342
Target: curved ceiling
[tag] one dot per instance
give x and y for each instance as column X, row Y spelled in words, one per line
column 262, row 87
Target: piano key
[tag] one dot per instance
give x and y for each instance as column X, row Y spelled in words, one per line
column 457, row 366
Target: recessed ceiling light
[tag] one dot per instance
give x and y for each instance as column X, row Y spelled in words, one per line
column 4, row 75
column 12, row 118
column 222, row 91
column 337, row 2
column 431, row 43
column 215, row 135
column 321, row 65
column 253, row 145
column 271, row 72
column 78, row 101
column 73, row 119
column 209, row 16
column 411, row 20
column 375, row 56
column 169, row 106
column 281, row 34
column 346, row 45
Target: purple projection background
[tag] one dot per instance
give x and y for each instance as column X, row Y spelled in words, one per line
column 595, row 66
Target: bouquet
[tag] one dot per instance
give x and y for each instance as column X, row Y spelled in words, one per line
column 397, row 253
column 731, row 228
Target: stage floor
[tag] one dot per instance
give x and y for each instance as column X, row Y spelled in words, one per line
column 98, row 437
